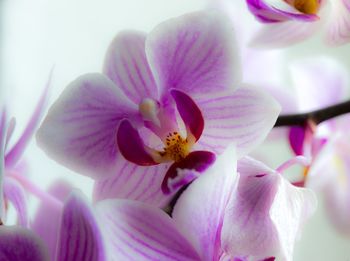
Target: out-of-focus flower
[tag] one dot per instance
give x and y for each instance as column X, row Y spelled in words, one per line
column 10, row 165
column 254, row 214
column 168, row 101
column 290, row 21
column 318, row 84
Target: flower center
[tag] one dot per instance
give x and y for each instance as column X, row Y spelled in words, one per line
column 176, row 148
column 306, row 6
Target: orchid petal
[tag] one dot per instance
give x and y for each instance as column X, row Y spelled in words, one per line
column 265, row 213
column 200, row 209
column 15, row 193
column 47, row 218
column 140, row 232
column 79, row 237
column 127, row 66
column 16, row 152
column 19, row 244
column 244, row 117
column 194, row 53
column 198, row 161
column 134, row 182
column 319, row 83
column 10, row 129
column 296, row 139
column 81, row 127
column 132, row 146
column 284, row 34
column 266, row 13
column 339, row 28
column 189, row 112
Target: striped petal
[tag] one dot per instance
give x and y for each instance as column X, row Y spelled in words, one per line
column 80, row 129
column 131, row 181
column 19, row 244
column 243, row 117
column 14, row 192
column 79, row 237
column 339, row 27
column 127, row 66
column 265, row 213
column 16, row 152
column 199, row 211
column 194, row 53
column 136, row 231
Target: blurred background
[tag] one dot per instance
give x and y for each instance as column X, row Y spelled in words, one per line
column 72, row 37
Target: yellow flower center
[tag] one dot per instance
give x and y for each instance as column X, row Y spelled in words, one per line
column 176, row 148
column 306, row 6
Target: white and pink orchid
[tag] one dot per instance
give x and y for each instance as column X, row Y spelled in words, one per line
column 290, row 21
column 167, row 101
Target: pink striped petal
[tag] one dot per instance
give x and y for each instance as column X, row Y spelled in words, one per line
column 265, row 213
column 132, row 146
column 243, row 117
column 339, row 27
column 16, row 152
column 19, row 244
column 134, row 182
column 80, row 128
column 194, row 53
column 189, row 112
column 48, row 216
column 284, row 34
column 14, row 192
column 140, row 232
column 319, row 83
column 200, row 209
column 79, row 237
column 127, row 66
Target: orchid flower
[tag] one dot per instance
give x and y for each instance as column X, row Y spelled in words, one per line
column 254, row 214
column 10, row 165
column 321, row 83
column 290, row 21
column 167, row 101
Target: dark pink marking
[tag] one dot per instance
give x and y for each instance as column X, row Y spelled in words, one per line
column 132, row 146
column 296, row 139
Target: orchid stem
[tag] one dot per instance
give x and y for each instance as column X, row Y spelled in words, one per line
column 316, row 116
column 36, row 191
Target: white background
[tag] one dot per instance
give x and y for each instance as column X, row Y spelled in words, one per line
column 73, row 35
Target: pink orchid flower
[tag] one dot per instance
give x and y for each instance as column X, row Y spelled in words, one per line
column 167, row 101
column 290, row 21
column 318, row 84
column 11, row 166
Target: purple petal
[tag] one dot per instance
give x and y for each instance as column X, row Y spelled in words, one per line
column 319, row 83
column 48, row 216
column 211, row 192
column 132, row 146
column 296, row 139
column 189, row 112
column 266, row 13
column 140, row 232
column 197, row 160
column 127, row 66
column 19, row 244
column 3, row 131
column 134, row 182
column 16, row 152
column 81, row 127
column 14, row 192
column 243, row 117
column 79, row 237
column 194, row 53
column 339, row 27
column 265, row 213
column 284, row 34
